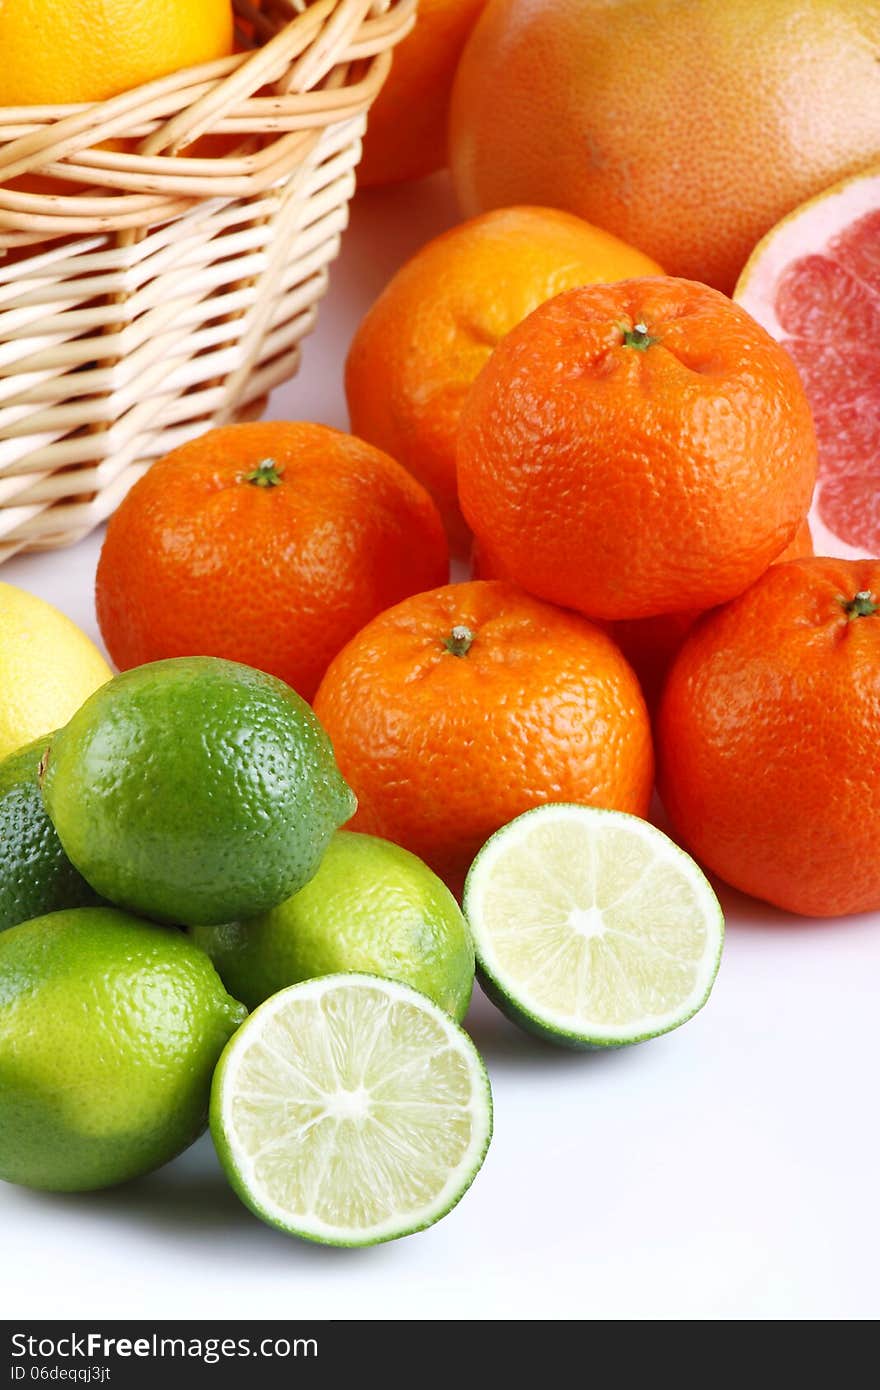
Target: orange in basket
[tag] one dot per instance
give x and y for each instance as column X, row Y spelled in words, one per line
column 171, row 291
column 64, row 51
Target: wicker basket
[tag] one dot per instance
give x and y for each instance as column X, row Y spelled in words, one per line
column 145, row 294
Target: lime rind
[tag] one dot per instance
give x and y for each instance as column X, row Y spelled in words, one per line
column 195, row 791
column 110, row 1030
column 36, row 877
column 372, row 908
column 631, row 961
column 239, row 1107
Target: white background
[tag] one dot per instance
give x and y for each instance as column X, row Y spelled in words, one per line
column 729, row 1170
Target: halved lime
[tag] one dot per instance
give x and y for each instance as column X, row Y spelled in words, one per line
column 351, row 1110
column 591, row 927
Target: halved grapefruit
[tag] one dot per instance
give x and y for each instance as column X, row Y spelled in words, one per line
column 814, row 283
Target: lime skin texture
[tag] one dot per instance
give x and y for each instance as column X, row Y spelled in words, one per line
column 372, row 907
column 195, row 790
column 36, row 875
column 110, row 1030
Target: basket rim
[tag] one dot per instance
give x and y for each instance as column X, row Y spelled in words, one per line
column 173, row 291
column 388, row 17
column 323, row 64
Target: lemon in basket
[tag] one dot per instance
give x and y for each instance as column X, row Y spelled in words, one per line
column 60, row 51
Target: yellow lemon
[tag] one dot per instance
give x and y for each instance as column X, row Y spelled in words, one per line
column 47, row 668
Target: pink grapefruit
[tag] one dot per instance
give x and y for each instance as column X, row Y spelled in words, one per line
column 814, row 283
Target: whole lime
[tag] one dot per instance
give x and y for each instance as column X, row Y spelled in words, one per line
column 371, row 907
column 36, row 875
column 195, row 790
column 110, row 1029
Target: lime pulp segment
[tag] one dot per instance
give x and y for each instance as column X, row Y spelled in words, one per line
column 351, row 1110
column 592, row 927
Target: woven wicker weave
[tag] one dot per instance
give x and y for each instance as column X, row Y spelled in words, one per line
column 146, row 294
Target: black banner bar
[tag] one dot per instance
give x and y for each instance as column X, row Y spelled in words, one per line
column 131, row 1355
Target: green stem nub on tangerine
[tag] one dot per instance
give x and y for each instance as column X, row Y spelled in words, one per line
column 459, row 640
column 638, row 337
column 863, row 605
column 267, row 473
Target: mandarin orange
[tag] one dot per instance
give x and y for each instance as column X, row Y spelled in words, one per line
column 649, row 644
column 767, row 738
column 407, row 129
column 460, row 708
column 636, row 449
column 270, row 544
column 420, row 347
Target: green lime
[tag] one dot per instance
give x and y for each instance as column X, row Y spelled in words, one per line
column 371, row 907
column 110, row 1029
column 351, row 1110
column 591, row 927
column 36, row 875
column 195, row 790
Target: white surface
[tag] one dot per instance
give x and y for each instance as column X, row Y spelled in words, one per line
column 728, row 1170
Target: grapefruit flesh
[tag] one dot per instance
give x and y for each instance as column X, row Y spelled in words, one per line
column 814, row 282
